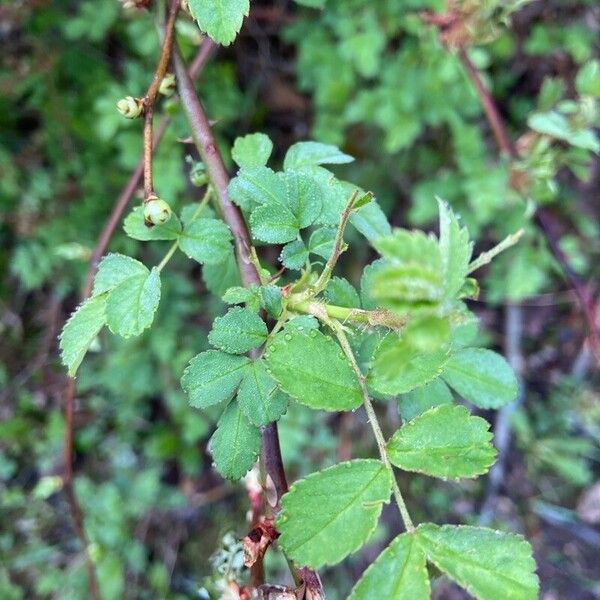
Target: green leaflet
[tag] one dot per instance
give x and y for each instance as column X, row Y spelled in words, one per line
column 135, row 228
column 371, row 221
column 274, row 224
column 306, row 154
column 481, row 377
column 220, row 277
column 321, row 242
column 341, row 293
column 258, row 396
column 313, row 370
column 235, row 444
column 294, row 255
column 446, row 441
column 411, row 277
column 455, row 251
column 271, row 300
column 398, row 573
column 220, row 19
column 333, row 512
column 131, row 305
column 207, row 241
column 238, row 331
column 487, row 563
column 256, row 186
column 212, row 377
column 80, row 330
column 252, row 150
column 399, row 367
column 114, row 269
column 417, row 401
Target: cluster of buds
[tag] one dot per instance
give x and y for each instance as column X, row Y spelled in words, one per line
column 168, row 85
column 156, row 211
column 130, row 107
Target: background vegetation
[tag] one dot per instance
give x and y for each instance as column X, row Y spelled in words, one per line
column 375, row 79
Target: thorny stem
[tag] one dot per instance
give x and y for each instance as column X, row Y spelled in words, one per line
column 69, row 395
column 541, row 217
column 150, row 97
column 372, row 416
column 205, row 143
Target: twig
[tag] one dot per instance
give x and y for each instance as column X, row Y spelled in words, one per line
column 69, row 394
column 150, row 97
column 205, row 143
column 541, row 217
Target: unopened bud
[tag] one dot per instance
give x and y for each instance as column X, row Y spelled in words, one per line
column 134, row 4
column 156, row 211
column 130, row 107
column 167, row 85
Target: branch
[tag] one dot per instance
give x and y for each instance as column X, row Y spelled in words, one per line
column 150, row 97
column 541, row 217
column 205, row 143
column 69, row 394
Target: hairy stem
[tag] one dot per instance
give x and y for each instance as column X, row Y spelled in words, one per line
column 372, row 416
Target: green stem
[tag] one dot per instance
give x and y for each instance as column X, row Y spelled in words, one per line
column 341, row 336
column 486, row 257
column 205, row 200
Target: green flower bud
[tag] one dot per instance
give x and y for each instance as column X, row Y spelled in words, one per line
column 156, row 211
column 130, row 107
column 167, row 85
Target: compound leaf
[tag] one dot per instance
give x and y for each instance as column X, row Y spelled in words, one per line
column 212, row 377
column 446, row 441
column 238, row 331
column 398, row 573
column 80, row 330
column 207, row 241
column 482, row 377
column 220, row 19
column 333, row 512
column 131, row 305
column 488, row 564
column 305, row 154
column 252, row 150
column 313, row 370
column 258, row 396
column 235, row 444
column 114, row 269
column 135, row 228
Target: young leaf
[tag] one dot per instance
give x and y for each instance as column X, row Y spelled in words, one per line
column 417, row 401
column 294, row 255
column 220, row 19
column 238, row 331
column 398, row 573
column 332, row 513
column 207, row 241
column 80, row 330
column 305, row 154
column 321, row 242
column 455, row 251
column 341, row 293
column 399, row 367
column 252, row 150
column 275, row 224
column 303, row 197
column 258, row 396
column 446, row 442
column 371, row 221
column 212, row 377
column 487, row 563
column 481, row 377
column 271, row 300
column 256, row 186
column 411, row 277
column 235, row 444
column 130, row 307
column 312, row 369
column 135, row 228
column 114, row 269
